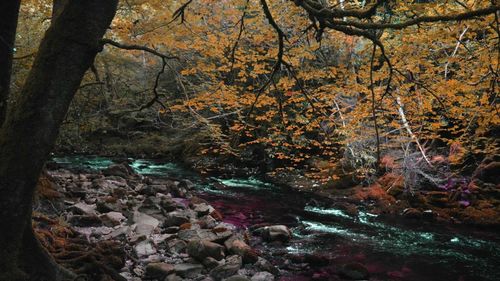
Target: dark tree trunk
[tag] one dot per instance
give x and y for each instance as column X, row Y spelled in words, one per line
column 31, row 128
column 57, row 8
column 9, row 11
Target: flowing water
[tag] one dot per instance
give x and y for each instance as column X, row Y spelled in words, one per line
column 390, row 250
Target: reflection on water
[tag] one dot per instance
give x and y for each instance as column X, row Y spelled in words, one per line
column 394, row 251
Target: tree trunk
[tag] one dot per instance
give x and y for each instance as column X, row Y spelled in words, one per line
column 31, row 128
column 9, row 11
column 57, row 8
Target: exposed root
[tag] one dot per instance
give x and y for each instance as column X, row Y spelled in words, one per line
column 92, row 262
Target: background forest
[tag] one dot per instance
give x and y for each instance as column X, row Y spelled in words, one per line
column 202, row 82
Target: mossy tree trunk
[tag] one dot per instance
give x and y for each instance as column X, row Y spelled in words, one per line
column 31, row 128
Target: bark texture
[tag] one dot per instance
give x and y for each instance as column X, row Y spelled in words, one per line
column 31, row 128
column 9, row 11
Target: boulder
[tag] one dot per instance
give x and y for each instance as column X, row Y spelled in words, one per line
column 176, row 218
column 276, row 233
column 228, row 269
column 120, row 170
column 201, row 249
column 240, row 248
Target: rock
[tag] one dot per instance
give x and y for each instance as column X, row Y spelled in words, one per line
column 121, row 170
column 201, row 249
column 262, row 276
column 207, row 222
column 144, row 229
column 145, row 223
column 203, row 209
column 76, row 191
column 108, row 184
column 170, row 205
column 265, row 265
column 412, row 213
column 176, row 246
column 158, row 270
column 144, row 248
column 85, row 220
column 488, row 171
column 210, row 262
column 105, row 207
column 82, row 208
column 240, row 248
column 187, row 184
column 238, row 278
column 173, row 277
column 179, row 192
column 112, row 218
column 171, row 230
column 204, row 234
column 230, row 268
column 438, row 198
column 176, row 218
column 188, row 270
column 354, row 271
column 277, row 233
column 118, row 233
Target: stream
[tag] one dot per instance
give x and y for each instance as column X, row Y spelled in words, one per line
column 390, row 250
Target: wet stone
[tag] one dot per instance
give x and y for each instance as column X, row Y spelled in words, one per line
column 262, row 276
column 230, row 268
column 201, row 249
column 158, row 270
column 188, row 270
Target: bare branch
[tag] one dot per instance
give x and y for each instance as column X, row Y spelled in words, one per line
column 137, row 47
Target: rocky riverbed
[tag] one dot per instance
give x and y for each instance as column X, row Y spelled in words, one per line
column 154, row 221
column 166, row 232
